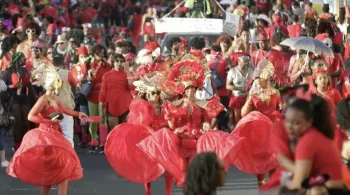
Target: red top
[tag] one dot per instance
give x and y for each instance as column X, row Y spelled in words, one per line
column 221, row 69
column 262, row 4
column 115, row 92
column 271, row 28
column 345, row 83
column 5, row 62
column 294, row 30
column 334, row 95
column 101, row 68
column 314, row 146
column 268, row 108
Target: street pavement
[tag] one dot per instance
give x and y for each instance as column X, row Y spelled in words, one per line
column 100, row 179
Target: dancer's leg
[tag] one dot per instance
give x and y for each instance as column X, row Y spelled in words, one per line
column 45, row 190
column 261, row 179
column 148, row 188
column 168, row 183
column 62, row 188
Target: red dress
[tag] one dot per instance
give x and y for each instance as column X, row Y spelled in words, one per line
column 173, row 151
column 256, row 155
column 52, row 158
column 270, row 108
column 115, row 92
column 121, row 149
column 101, row 69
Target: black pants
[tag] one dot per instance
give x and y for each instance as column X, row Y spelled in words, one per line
column 21, row 126
column 223, row 116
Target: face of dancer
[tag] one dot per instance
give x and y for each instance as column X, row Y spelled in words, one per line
column 322, row 80
column 190, row 92
column 296, row 123
column 154, row 96
column 263, row 83
column 245, row 36
column 57, row 86
column 118, row 64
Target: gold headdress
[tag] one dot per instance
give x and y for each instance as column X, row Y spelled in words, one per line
column 47, row 76
column 149, row 82
column 264, row 69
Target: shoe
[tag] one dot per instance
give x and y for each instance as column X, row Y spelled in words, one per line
column 92, row 150
column 101, row 149
column 5, row 164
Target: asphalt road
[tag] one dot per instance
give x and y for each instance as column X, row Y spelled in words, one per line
column 100, row 179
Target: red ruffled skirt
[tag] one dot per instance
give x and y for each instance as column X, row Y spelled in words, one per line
column 174, row 153
column 237, row 102
column 149, row 29
column 256, row 155
column 45, row 158
column 126, row 158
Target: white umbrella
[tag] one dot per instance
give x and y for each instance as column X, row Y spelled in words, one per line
column 308, row 44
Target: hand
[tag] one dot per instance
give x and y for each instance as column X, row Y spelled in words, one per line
column 206, row 127
column 282, row 106
column 141, row 33
column 82, row 115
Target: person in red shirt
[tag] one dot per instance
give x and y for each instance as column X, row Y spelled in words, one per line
column 114, row 82
column 271, row 55
column 277, row 22
column 308, row 121
column 98, row 68
column 294, row 30
column 323, row 81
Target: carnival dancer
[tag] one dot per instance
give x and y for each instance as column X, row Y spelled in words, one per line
column 145, row 116
column 53, row 159
column 188, row 119
column 147, row 26
column 264, row 98
column 77, row 78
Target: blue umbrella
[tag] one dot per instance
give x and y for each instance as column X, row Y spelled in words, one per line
column 308, row 44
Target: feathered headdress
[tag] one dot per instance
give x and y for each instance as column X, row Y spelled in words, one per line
column 46, row 75
column 264, row 69
column 149, row 82
column 186, row 73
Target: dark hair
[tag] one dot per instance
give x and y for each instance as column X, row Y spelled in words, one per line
column 50, row 19
column 197, row 43
column 202, row 174
column 318, row 110
column 118, row 56
column 33, row 25
column 342, row 13
column 311, row 26
column 171, row 42
column 325, row 8
column 8, row 43
column 295, row 18
column 58, row 59
column 215, row 48
column 97, row 48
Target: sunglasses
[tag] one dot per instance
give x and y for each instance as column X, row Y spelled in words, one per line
column 155, row 92
column 35, row 49
column 119, row 61
column 30, row 31
column 49, row 53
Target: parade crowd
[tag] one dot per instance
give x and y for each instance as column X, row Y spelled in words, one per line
column 273, row 101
